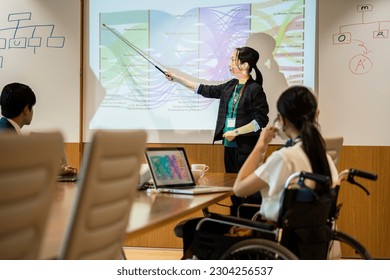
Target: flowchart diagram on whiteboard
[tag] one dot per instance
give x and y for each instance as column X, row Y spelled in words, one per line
column 24, row 33
column 361, row 62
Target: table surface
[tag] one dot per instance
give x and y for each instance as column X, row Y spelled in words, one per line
column 150, row 209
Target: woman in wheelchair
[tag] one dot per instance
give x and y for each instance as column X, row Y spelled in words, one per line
column 297, row 113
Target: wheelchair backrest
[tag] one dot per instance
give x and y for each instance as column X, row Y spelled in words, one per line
column 304, row 220
column 334, row 207
column 302, row 208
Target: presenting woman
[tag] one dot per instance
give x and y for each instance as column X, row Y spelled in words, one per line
column 243, row 108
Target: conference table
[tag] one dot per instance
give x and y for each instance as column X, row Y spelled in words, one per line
column 150, row 209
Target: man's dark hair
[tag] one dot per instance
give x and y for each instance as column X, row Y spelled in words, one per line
column 14, row 98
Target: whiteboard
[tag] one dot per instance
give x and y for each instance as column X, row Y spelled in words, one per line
column 354, row 61
column 40, row 47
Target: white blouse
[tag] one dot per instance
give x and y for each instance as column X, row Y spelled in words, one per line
column 275, row 171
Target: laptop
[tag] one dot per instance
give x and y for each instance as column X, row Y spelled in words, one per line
column 171, row 172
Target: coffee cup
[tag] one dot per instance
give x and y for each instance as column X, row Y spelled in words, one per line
column 199, row 166
column 197, row 174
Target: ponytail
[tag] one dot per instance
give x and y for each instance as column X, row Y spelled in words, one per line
column 298, row 105
column 251, row 56
column 314, row 146
column 259, row 76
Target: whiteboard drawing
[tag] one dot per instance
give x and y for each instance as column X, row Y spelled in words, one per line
column 33, row 36
column 361, row 63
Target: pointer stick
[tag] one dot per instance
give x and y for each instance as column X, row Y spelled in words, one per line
column 133, row 47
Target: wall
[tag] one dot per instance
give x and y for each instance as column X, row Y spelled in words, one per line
column 40, row 46
column 354, row 89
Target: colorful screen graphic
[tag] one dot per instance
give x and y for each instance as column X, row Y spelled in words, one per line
column 169, row 168
column 195, row 39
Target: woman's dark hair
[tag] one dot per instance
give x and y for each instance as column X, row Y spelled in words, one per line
column 14, row 98
column 251, row 56
column 298, row 105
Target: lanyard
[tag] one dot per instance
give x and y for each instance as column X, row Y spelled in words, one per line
column 235, row 100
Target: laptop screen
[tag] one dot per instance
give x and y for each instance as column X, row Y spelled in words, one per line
column 169, row 167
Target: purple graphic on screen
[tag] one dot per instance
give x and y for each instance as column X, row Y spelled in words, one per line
column 221, row 29
column 198, row 42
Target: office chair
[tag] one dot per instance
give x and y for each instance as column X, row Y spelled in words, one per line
column 28, row 170
column 333, row 148
column 108, row 181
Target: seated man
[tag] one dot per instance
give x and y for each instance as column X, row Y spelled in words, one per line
column 17, row 102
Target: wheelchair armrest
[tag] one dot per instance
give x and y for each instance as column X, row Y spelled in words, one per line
column 248, row 206
column 236, row 221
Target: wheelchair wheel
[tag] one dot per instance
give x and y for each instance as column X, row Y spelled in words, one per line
column 258, row 249
column 347, row 242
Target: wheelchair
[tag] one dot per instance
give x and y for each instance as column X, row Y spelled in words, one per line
column 305, row 228
column 346, row 240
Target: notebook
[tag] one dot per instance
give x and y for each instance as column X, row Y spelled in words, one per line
column 64, row 178
column 69, row 177
column 171, row 172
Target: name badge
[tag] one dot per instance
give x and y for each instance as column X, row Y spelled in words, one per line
column 231, row 122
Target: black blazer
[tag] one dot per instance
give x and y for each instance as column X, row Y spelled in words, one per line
column 5, row 125
column 253, row 105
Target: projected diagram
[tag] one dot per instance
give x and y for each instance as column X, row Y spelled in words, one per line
column 361, row 62
column 184, row 42
column 32, row 36
column 197, row 42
